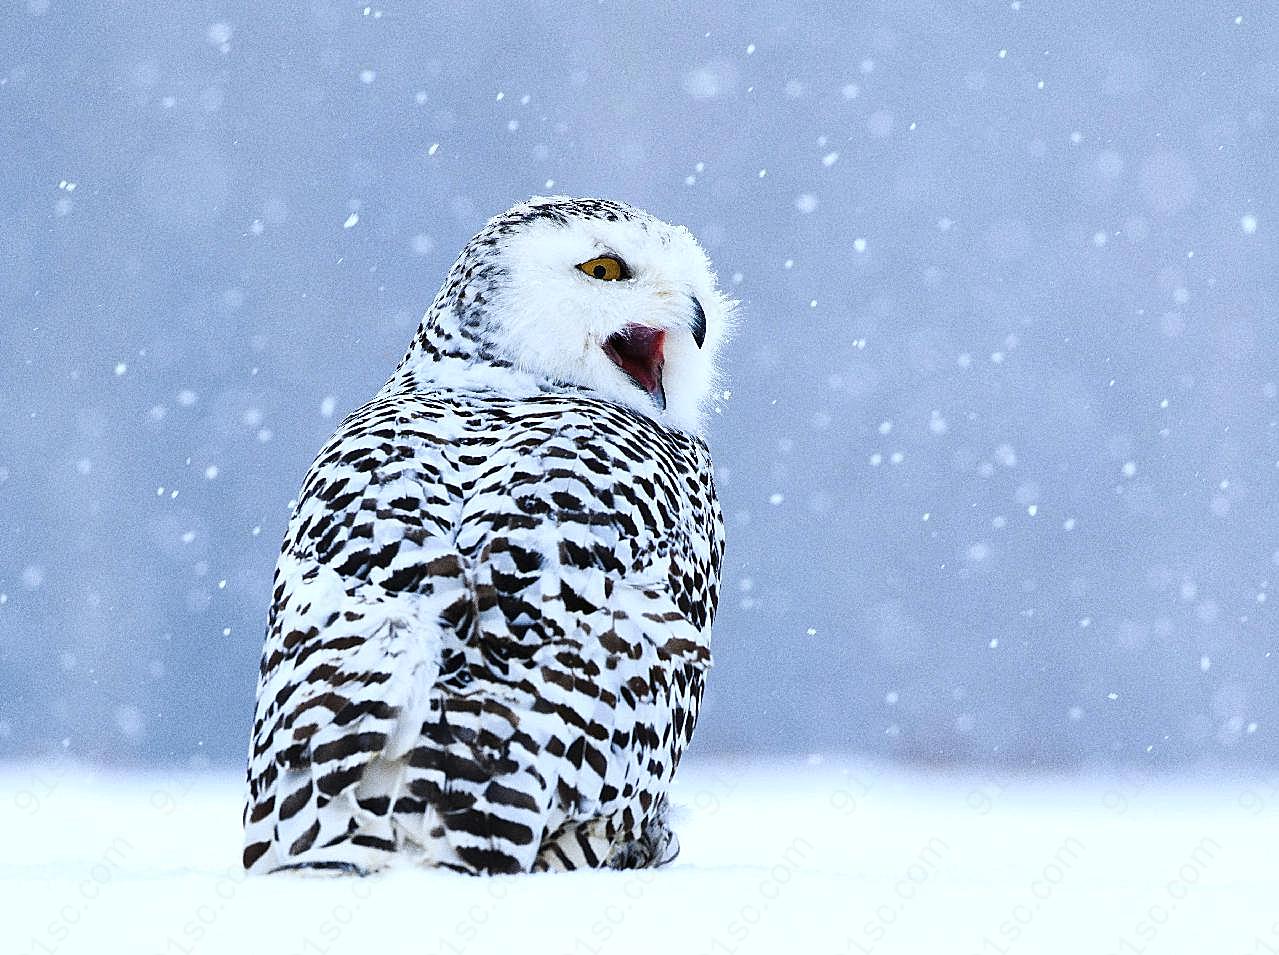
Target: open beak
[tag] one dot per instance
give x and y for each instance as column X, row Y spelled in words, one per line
column 639, row 351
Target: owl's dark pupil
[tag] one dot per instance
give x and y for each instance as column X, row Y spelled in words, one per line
column 599, row 271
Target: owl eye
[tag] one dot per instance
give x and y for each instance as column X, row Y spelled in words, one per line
column 606, row 268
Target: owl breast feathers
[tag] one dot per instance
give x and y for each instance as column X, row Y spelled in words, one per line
column 491, row 617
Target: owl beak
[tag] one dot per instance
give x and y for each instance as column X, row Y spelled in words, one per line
column 699, row 322
column 639, row 351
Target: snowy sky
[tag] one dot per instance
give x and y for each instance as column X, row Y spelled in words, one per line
column 1002, row 442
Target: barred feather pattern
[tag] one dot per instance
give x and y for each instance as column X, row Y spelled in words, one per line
column 488, row 641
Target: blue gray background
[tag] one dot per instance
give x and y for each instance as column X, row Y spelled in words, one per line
column 1002, row 449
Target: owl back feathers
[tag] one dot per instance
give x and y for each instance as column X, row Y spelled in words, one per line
column 488, row 638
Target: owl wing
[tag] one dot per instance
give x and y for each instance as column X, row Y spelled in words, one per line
column 365, row 587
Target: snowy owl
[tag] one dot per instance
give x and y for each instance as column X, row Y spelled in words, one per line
column 490, row 624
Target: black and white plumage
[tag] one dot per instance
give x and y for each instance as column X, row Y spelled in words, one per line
column 491, row 616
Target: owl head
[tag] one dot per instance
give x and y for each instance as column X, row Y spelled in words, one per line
column 585, row 294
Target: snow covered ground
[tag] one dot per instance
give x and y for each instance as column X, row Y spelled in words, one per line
column 789, row 857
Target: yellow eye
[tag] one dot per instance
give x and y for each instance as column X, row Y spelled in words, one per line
column 606, row 269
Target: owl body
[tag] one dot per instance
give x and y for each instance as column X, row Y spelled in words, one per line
column 491, row 616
